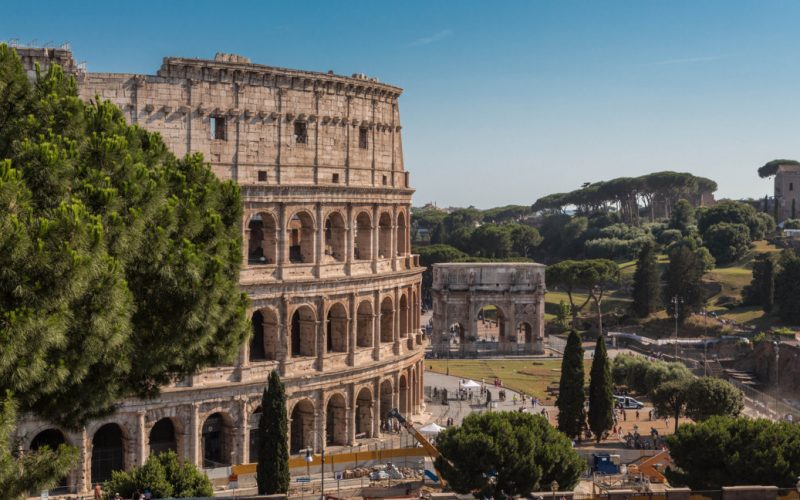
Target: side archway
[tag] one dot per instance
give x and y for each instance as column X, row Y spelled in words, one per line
column 336, row 335
column 108, row 452
column 217, row 439
column 336, row 421
column 163, row 437
column 301, row 238
column 304, row 332
column 262, row 245
column 364, row 324
column 364, row 413
column 362, row 247
column 335, row 234
column 387, row 320
column 302, row 426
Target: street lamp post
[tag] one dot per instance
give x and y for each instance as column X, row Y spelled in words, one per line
column 554, row 488
column 777, row 377
column 310, row 458
column 598, row 300
column 676, row 302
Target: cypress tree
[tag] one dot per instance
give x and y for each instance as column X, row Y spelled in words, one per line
column 570, row 389
column 272, row 472
column 601, row 397
column 646, row 283
column 761, row 290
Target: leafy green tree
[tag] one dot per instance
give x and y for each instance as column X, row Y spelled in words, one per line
column 683, row 280
column 524, row 239
column 733, row 212
column 725, row 451
column 571, row 397
column 109, row 246
column 670, row 398
column 491, row 241
column 33, row 471
column 591, row 275
column 643, row 375
column 727, row 242
column 646, row 283
column 272, row 472
column 710, row 396
column 682, row 217
column 791, row 224
column 507, row 213
column 761, row 290
column 601, row 396
column 164, row 475
column 519, row 453
column 705, row 260
column 562, row 313
column 787, row 287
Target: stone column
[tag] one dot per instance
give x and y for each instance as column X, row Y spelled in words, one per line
column 352, row 327
column 393, row 235
column 376, row 325
column 322, row 332
column 320, row 243
column 375, row 237
column 396, row 325
column 141, row 449
column 351, row 414
column 194, row 438
column 376, row 408
column 244, row 432
column 319, row 423
column 282, row 255
column 350, row 237
column 84, row 480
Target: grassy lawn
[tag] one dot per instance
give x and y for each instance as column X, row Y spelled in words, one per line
column 529, row 376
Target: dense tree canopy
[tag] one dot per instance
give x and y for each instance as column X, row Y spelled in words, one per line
column 732, row 212
column 727, row 242
column 771, row 167
column 119, row 263
column 725, row 451
column 627, row 193
column 787, row 287
column 761, row 290
column 519, row 453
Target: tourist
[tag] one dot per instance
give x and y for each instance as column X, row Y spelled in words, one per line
column 637, row 414
column 98, row 492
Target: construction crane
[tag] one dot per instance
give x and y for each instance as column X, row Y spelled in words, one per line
column 431, row 449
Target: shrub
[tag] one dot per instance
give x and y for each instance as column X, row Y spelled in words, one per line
column 164, row 475
column 669, row 236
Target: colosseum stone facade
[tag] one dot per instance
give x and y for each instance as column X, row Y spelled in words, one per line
column 335, row 291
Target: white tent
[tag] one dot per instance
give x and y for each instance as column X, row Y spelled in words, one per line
column 432, row 428
column 470, row 384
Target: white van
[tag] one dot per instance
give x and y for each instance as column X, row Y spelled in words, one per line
column 628, row 403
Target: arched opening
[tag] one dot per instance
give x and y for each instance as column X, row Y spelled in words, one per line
column 412, row 404
column 387, row 320
column 402, row 231
column 403, row 395
column 265, row 341
column 385, row 399
column 364, row 324
column 301, row 238
column 302, row 426
column 108, row 452
column 336, row 340
column 362, row 248
column 255, row 444
column 403, row 316
column 364, row 414
column 525, row 332
column 415, row 312
column 335, row 237
column 217, row 441
column 336, row 421
column 262, row 246
column 52, row 439
column 304, row 326
column 491, row 325
column 257, row 351
column 162, row 437
column 385, row 236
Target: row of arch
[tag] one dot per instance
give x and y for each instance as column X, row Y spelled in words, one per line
column 263, row 236
column 371, row 325
column 343, row 417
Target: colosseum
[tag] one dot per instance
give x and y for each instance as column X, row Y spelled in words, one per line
column 334, row 289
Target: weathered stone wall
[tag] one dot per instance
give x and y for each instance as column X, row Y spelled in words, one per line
column 335, row 292
column 787, row 190
column 517, row 291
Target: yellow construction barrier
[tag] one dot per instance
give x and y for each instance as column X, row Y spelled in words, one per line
column 341, row 458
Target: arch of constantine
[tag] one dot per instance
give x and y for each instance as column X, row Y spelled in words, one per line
column 334, row 289
column 491, row 308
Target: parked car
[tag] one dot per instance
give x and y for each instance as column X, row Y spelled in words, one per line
column 628, row 403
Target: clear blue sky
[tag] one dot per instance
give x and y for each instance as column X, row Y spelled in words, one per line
column 504, row 102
